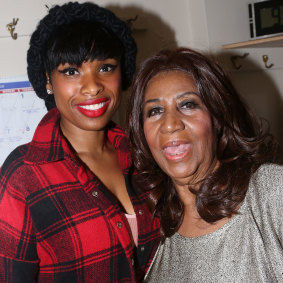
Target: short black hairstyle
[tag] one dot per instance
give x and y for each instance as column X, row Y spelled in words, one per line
column 78, row 42
column 83, row 25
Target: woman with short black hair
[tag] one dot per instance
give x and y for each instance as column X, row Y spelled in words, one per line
column 68, row 210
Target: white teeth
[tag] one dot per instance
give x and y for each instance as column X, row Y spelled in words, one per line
column 179, row 153
column 93, row 106
column 176, row 150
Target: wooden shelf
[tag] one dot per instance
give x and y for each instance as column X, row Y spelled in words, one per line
column 274, row 41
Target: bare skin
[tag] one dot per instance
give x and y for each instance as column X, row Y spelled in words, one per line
column 180, row 135
column 104, row 156
column 96, row 84
column 193, row 225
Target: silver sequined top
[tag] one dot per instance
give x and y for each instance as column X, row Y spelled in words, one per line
column 249, row 248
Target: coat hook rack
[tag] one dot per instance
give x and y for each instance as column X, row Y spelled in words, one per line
column 130, row 21
column 265, row 59
column 11, row 28
column 235, row 58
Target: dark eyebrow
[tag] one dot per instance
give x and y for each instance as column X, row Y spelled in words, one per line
column 188, row 92
column 151, row 100
column 178, row 96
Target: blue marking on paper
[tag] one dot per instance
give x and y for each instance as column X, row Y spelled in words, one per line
column 20, row 112
column 11, row 85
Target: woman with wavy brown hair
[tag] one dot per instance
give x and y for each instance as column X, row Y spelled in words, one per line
column 209, row 166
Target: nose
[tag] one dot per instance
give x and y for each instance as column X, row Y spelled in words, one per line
column 92, row 85
column 171, row 122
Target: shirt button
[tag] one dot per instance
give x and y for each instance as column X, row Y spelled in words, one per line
column 95, row 193
column 140, row 212
column 142, row 248
column 119, row 224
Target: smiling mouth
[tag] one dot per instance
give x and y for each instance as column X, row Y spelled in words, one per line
column 176, row 152
column 95, row 108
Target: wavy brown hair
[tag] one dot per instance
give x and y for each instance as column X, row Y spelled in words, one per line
column 242, row 143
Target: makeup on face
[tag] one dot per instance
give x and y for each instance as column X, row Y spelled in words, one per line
column 94, row 108
column 177, row 126
column 87, row 96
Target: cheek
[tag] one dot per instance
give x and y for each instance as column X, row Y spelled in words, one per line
column 115, row 84
column 150, row 134
column 61, row 87
column 147, row 134
column 205, row 135
column 202, row 127
column 152, row 140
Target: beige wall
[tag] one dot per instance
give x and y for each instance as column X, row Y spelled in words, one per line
column 160, row 23
column 201, row 24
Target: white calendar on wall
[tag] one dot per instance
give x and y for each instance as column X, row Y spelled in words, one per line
column 20, row 112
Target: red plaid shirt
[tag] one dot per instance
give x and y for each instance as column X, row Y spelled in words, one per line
column 58, row 223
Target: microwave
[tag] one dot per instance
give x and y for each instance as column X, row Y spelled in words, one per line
column 265, row 18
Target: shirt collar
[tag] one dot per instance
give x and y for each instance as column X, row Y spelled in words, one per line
column 49, row 144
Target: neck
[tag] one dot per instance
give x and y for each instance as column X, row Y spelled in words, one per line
column 85, row 141
column 186, row 196
column 194, row 181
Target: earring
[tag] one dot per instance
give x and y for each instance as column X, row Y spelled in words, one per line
column 48, row 90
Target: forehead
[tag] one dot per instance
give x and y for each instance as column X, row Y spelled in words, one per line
column 168, row 83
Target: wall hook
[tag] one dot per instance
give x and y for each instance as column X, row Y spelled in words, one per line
column 11, row 28
column 130, row 21
column 235, row 58
column 265, row 59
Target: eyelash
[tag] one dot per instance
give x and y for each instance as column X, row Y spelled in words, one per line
column 68, row 70
column 151, row 111
column 182, row 106
column 192, row 104
column 107, row 68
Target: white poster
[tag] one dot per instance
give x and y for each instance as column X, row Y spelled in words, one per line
column 20, row 112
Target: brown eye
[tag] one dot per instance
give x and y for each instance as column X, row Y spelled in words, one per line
column 188, row 104
column 69, row 71
column 154, row 111
column 107, row 68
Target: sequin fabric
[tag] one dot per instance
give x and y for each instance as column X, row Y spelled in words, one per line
column 249, row 248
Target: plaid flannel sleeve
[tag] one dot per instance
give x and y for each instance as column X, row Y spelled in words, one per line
column 18, row 259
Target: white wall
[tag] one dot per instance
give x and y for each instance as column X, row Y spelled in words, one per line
column 261, row 88
column 200, row 24
column 161, row 23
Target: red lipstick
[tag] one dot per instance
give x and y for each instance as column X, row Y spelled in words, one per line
column 93, row 108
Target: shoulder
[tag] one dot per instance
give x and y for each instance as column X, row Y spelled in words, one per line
column 265, row 194
column 14, row 159
column 16, row 176
column 269, row 177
